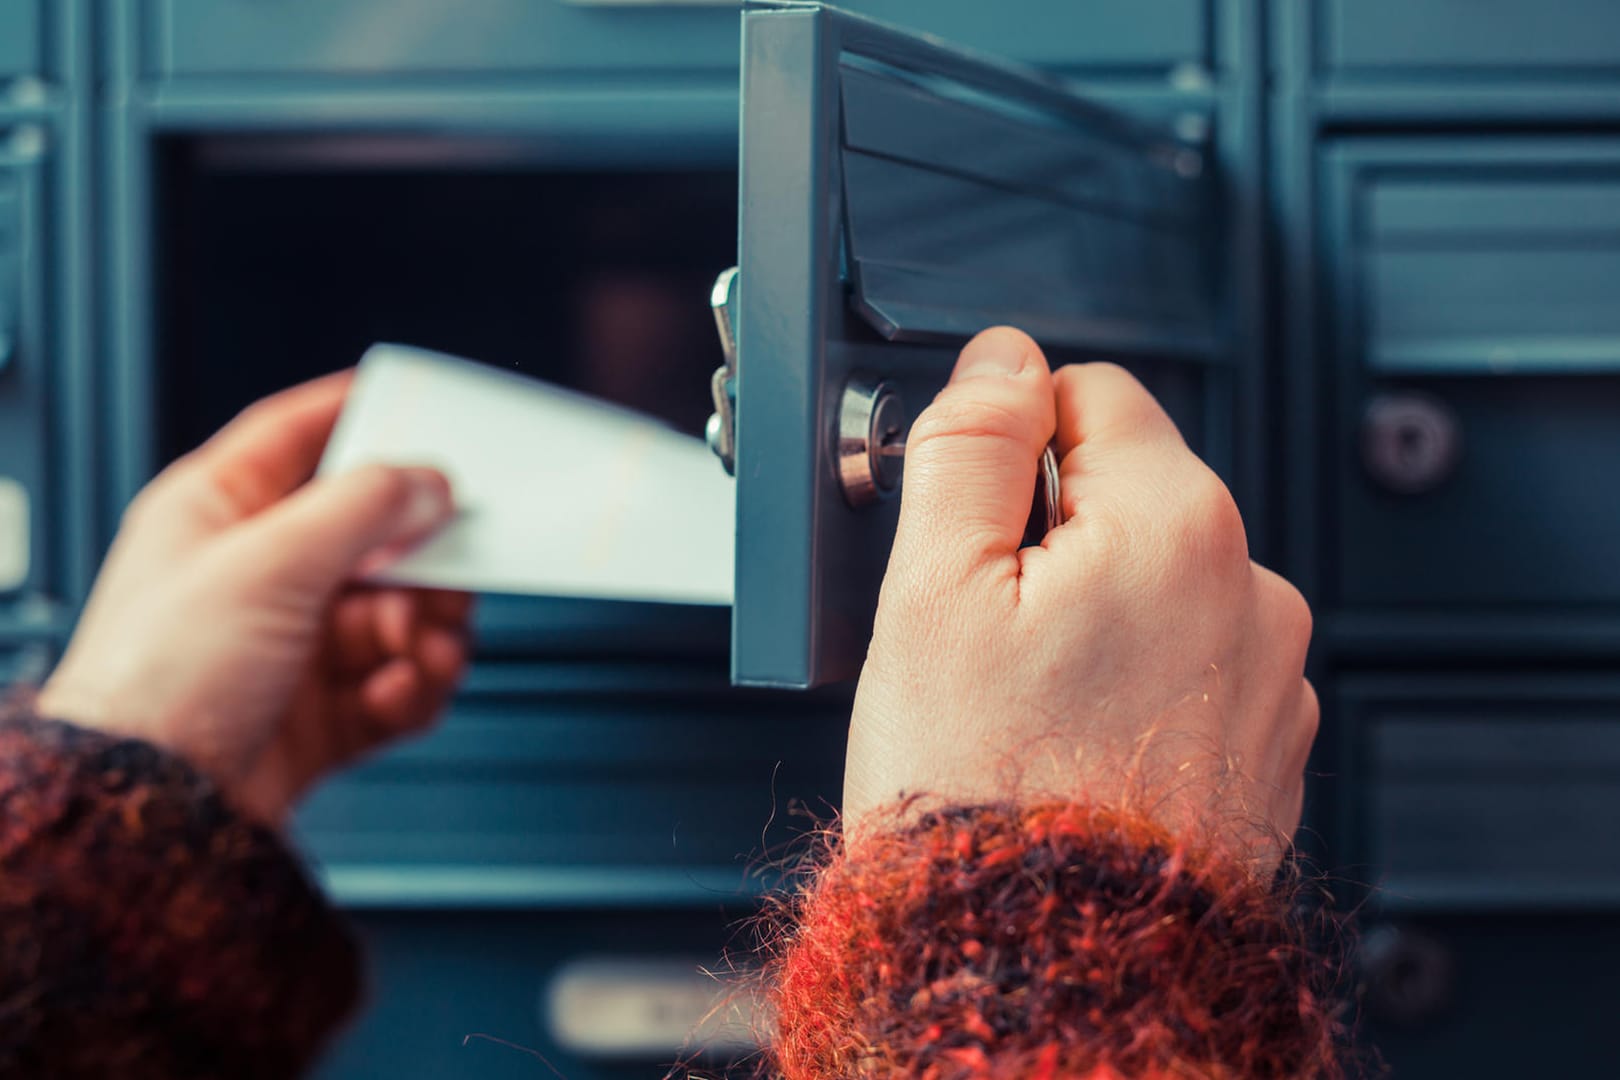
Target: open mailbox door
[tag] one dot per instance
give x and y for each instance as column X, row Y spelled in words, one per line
column 897, row 196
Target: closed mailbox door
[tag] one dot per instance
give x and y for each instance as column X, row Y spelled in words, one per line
column 1479, row 284
column 897, row 196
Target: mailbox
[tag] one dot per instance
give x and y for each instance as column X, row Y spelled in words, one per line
column 898, row 195
column 1479, row 370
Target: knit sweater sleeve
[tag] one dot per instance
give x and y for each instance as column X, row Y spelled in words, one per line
column 1046, row 942
column 146, row 930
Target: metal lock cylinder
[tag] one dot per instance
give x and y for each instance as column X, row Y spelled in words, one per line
column 872, row 425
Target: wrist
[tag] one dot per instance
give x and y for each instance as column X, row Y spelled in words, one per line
column 91, row 704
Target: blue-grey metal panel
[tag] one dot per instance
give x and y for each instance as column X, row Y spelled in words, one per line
column 1094, row 33
column 581, row 779
column 21, row 37
column 841, row 117
column 430, row 37
column 1070, row 235
column 26, row 658
column 1485, row 792
column 1506, row 36
column 1508, row 269
column 1520, row 995
column 445, row 986
column 1482, row 273
column 434, row 37
column 25, row 398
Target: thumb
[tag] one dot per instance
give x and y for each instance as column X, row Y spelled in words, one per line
column 972, row 456
column 316, row 538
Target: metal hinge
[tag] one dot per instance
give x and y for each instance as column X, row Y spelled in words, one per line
column 721, row 430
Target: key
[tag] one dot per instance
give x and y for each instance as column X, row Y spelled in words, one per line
column 1046, row 508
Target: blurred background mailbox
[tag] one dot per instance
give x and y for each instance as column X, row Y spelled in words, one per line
column 1367, row 252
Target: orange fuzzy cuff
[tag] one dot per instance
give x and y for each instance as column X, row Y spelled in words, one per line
column 1045, row 942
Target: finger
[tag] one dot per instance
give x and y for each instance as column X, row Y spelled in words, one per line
column 313, row 540
column 972, row 455
column 1105, row 404
column 353, row 644
column 392, row 697
column 441, row 655
column 273, row 445
column 445, row 606
column 397, row 621
column 400, row 698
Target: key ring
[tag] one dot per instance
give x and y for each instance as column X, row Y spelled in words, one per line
column 1046, row 510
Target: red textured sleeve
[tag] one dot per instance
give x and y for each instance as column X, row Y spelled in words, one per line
column 146, row 930
column 1045, row 942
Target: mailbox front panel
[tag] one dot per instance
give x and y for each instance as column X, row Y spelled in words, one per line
column 21, row 33
column 390, row 38
column 897, row 196
column 1479, row 282
column 1452, row 37
column 1486, row 792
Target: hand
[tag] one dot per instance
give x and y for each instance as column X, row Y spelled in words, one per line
column 1136, row 659
column 220, row 627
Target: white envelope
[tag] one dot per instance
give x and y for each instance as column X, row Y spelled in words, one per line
column 558, row 494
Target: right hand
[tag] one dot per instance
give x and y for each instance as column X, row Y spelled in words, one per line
column 1136, row 659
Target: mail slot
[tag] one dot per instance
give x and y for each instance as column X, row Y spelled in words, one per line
column 1478, row 372
column 1369, row 37
column 22, row 24
column 609, row 782
column 26, row 497
column 597, row 993
column 1487, row 792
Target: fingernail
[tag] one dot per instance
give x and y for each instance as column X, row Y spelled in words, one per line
column 430, row 504
column 998, row 352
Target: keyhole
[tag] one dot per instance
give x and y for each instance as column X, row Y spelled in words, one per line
column 891, row 441
column 1410, row 441
column 1413, row 446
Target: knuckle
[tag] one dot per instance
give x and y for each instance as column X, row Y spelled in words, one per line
column 1296, row 612
column 1210, row 513
column 1311, row 713
column 1132, row 402
column 952, row 417
column 156, row 497
column 250, row 413
column 1288, row 611
column 380, row 484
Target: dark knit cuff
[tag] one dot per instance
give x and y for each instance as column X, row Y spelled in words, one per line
column 146, row 929
column 1054, row 941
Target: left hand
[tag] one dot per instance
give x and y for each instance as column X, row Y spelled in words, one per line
column 221, row 627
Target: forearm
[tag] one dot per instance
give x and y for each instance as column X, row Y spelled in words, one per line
column 147, row 930
column 1050, row 942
